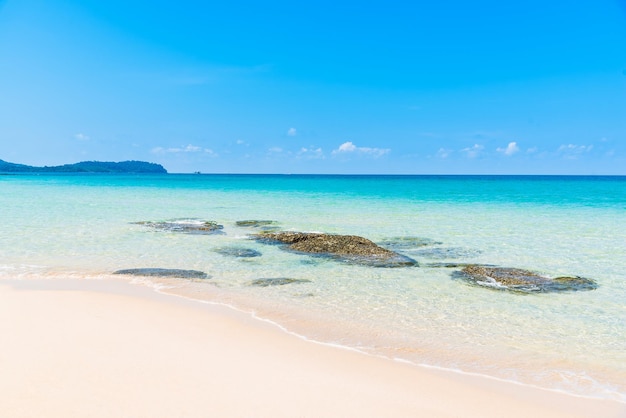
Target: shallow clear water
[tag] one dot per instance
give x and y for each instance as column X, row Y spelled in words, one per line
column 84, row 225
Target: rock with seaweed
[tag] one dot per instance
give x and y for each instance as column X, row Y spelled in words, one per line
column 276, row 281
column 347, row 248
column 162, row 272
column 186, row 226
column 254, row 223
column 523, row 281
column 261, row 225
column 446, row 265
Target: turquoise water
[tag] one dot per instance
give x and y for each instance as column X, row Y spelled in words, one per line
column 85, row 226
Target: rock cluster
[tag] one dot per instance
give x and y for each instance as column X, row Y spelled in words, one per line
column 358, row 250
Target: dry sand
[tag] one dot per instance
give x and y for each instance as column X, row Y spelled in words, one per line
column 88, row 348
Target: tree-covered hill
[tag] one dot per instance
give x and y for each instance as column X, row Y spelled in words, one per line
column 87, row 167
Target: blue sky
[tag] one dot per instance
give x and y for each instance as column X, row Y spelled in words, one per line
column 326, row 87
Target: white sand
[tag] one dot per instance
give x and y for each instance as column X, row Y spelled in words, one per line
column 81, row 348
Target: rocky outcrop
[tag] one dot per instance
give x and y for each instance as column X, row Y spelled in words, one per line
column 237, row 252
column 518, row 280
column 186, row 226
column 160, row 272
column 349, row 248
column 276, row 281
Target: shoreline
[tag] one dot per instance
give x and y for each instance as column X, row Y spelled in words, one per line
column 111, row 348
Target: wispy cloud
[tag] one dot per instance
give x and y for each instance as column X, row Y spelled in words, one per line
column 444, row 153
column 572, row 151
column 292, row 132
column 473, row 152
column 511, row 149
column 311, row 153
column 179, row 150
column 350, row 148
column 81, row 137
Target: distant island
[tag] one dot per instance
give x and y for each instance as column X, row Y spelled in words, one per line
column 87, row 167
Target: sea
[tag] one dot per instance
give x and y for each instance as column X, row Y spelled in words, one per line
column 88, row 226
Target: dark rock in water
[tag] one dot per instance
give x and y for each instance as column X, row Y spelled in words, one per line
column 187, row 226
column 450, row 265
column 263, row 225
column 237, row 252
column 255, row 223
column 348, row 248
column 407, row 243
column 277, row 281
column 443, row 253
column 518, row 280
column 158, row 272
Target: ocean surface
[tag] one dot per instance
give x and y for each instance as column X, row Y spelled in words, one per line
column 89, row 226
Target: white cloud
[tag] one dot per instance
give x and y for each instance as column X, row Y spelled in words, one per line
column 240, row 142
column 81, row 137
column 292, row 132
column 532, row 150
column 511, row 149
column 275, row 150
column 346, row 147
column 473, row 152
column 349, row 147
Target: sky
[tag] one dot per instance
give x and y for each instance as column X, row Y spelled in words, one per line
column 346, row 87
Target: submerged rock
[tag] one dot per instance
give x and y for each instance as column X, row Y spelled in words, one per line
column 518, row 280
column 349, row 248
column 447, row 265
column 237, row 252
column 276, row 281
column 255, row 223
column 445, row 253
column 407, row 243
column 159, row 272
column 187, row 226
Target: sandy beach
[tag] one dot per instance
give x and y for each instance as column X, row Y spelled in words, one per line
column 100, row 348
